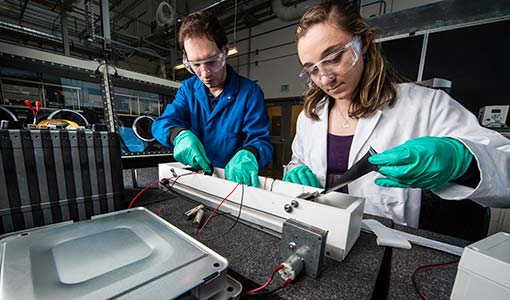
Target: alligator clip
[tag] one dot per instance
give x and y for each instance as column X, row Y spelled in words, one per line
column 190, row 213
column 34, row 110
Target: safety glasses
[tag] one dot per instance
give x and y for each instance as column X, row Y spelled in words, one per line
column 338, row 63
column 210, row 65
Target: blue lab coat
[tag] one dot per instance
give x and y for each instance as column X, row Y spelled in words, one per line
column 238, row 120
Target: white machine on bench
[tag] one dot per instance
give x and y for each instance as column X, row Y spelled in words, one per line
column 273, row 203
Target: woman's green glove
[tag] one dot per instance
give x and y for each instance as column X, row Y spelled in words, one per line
column 189, row 150
column 426, row 162
column 302, row 175
column 243, row 168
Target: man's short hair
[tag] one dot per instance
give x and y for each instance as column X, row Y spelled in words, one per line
column 200, row 24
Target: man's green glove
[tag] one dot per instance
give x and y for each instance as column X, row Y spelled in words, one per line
column 189, row 150
column 426, row 162
column 243, row 168
column 302, row 175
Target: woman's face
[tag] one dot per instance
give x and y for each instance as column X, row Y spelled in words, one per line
column 333, row 76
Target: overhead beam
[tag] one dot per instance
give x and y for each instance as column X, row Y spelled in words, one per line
column 442, row 15
column 105, row 22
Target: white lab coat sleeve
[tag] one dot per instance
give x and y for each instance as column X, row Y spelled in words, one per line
column 490, row 149
column 297, row 145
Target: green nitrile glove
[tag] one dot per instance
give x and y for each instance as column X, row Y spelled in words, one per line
column 243, row 168
column 302, row 175
column 426, row 162
column 189, row 150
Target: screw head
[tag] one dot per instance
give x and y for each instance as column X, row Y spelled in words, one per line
column 294, row 203
column 288, row 208
column 292, row 246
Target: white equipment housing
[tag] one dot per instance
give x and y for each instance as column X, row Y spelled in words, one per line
column 339, row 214
column 484, row 270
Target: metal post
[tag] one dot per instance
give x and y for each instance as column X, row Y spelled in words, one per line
column 63, row 25
column 108, row 98
column 249, row 53
column 105, row 21
column 357, row 4
column 423, row 56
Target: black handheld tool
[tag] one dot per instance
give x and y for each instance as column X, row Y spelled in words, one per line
column 198, row 169
column 360, row 168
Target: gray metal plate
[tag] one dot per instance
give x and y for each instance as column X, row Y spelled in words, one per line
column 306, row 241
column 122, row 254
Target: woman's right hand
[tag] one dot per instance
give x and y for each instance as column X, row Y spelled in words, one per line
column 302, row 175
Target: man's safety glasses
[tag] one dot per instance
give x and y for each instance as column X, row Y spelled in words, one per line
column 210, row 65
column 338, row 62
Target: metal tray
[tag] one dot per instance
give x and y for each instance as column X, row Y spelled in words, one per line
column 127, row 254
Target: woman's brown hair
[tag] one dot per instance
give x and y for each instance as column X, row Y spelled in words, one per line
column 377, row 84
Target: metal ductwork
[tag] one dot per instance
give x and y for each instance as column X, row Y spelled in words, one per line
column 294, row 12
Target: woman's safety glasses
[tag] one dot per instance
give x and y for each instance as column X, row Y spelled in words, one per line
column 337, row 63
column 210, row 65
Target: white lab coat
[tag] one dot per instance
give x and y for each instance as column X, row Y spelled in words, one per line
column 418, row 111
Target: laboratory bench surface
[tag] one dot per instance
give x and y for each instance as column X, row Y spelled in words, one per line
column 368, row 272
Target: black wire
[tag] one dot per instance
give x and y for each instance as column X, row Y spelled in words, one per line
column 272, row 183
column 422, row 268
column 235, row 222
column 169, row 189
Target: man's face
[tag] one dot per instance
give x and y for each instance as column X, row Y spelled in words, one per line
column 207, row 61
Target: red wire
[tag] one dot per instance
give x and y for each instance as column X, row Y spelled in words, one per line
column 143, row 190
column 214, row 211
column 428, row 267
column 153, row 184
column 159, row 212
column 265, row 180
column 267, row 282
column 286, row 282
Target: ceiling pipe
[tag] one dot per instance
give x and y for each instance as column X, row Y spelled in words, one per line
column 294, row 12
column 29, row 31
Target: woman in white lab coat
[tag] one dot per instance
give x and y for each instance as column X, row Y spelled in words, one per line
column 425, row 139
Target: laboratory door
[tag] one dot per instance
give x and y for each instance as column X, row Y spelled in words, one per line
column 283, row 116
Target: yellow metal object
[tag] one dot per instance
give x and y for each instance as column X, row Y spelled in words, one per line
column 58, row 123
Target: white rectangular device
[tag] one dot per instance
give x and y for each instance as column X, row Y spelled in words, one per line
column 484, row 270
column 494, row 115
column 273, row 202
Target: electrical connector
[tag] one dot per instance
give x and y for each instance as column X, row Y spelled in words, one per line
column 165, row 181
column 190, row 213
column 292, row 267
column 197, row 221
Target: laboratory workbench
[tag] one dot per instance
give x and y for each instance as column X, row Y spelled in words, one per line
column 368, row 272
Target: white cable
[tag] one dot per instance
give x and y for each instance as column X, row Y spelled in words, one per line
column 392, row 237
column 162, row 18
column 386, row 236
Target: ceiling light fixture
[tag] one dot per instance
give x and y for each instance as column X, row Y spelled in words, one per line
column 234, row 51
column 178, row 67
